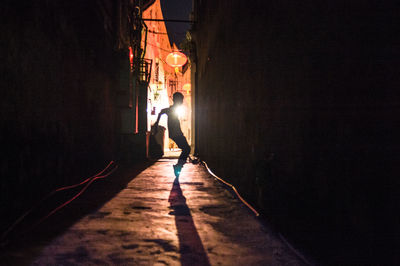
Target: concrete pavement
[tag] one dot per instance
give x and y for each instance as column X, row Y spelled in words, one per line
column 157, row 220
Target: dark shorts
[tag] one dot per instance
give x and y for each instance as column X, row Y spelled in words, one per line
column 182, row 144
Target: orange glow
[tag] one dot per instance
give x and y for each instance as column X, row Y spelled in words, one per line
column 176, row 59
column 187, row 88
column 130, row 55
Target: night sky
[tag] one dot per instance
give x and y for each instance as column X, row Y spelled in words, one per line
column 176, row 9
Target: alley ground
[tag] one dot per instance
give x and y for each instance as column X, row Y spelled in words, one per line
column 143, row 216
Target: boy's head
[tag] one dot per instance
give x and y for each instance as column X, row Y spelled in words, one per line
column 177, row 98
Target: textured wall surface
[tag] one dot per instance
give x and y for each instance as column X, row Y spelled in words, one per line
column 58, row 81
column 297, row 105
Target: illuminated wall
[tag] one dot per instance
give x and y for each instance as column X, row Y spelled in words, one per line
column 157, row 49
column 165, row 80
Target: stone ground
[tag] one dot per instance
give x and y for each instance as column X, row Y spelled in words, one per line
column 153, row 219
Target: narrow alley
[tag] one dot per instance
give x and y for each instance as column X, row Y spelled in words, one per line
column 294, row 103
column 158, row 220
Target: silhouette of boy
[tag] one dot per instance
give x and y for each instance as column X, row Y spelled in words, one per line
column 175, row 132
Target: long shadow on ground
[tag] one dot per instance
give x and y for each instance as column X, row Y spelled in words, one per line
column 190, row 246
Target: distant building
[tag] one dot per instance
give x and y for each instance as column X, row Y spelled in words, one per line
column 165, row 80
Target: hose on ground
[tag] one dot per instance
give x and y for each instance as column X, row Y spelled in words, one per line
column 232, row 187
column 298, row 254
column 111, row 165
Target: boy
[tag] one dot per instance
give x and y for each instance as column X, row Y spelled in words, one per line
column 175, row 132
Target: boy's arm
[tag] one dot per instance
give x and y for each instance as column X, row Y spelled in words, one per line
column 154, row 128
column 163, row 111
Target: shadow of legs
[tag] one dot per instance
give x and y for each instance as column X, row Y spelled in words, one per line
column 190, row 245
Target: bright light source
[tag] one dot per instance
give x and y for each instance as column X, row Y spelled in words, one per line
column 176, row 59
column 180, row 111
column 130, row 54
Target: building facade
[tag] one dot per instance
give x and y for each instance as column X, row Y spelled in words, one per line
column 165, row 80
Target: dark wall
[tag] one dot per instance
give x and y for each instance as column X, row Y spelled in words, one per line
column 58, row 81
column 298, row 106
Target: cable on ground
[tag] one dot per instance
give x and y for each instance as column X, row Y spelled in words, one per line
column 88, row 181
column 298, row 254
column 233, row 188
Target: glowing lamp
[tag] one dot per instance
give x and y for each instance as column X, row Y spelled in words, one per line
column 176, row 59
column 130, row 54
column 180, row 111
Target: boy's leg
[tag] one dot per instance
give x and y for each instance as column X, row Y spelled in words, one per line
column 182, row 144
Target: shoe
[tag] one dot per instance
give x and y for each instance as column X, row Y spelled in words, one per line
column 177, row 170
